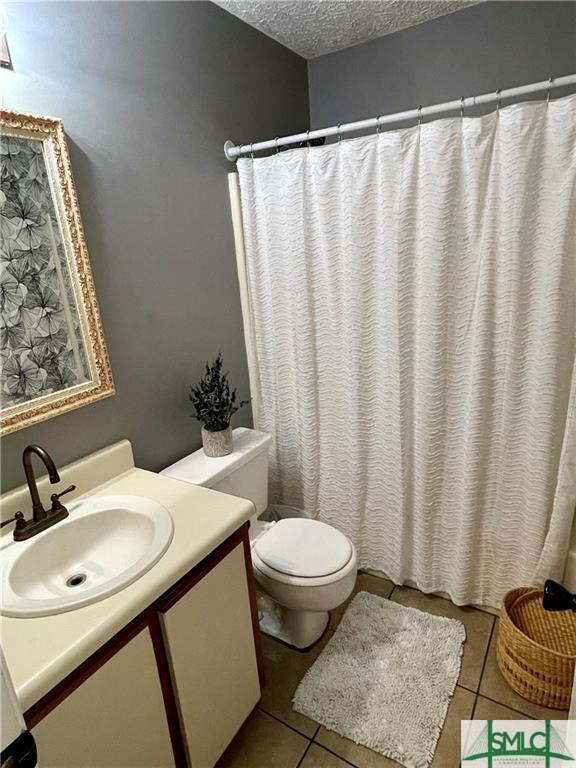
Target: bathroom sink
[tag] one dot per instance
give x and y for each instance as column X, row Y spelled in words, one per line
column 106, row 543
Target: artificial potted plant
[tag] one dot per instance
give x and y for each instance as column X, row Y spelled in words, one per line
column 214, row 405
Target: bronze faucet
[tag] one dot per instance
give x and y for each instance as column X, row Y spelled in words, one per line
column 41, row 518
column 38, row 511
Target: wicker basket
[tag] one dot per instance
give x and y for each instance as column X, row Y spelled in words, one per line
column 536, row 649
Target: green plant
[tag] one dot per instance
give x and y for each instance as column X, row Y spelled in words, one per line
column 214, row 403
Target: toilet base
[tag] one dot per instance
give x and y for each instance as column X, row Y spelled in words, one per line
column 297, row 628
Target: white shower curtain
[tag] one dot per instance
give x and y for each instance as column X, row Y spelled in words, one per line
column 412, row 303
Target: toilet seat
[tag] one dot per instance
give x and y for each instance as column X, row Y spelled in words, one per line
column 302, row 551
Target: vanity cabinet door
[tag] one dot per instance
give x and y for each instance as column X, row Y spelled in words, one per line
column 210, row 642
column 114, row 719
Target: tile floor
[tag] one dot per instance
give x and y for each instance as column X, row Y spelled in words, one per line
column 275, row 736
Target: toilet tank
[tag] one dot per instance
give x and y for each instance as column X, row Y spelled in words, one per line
column 243, row 473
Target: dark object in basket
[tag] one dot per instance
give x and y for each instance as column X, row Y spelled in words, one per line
column 557, row 598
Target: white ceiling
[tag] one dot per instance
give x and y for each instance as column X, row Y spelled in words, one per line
column 315, row 27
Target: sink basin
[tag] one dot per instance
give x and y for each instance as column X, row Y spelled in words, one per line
column 106, row 543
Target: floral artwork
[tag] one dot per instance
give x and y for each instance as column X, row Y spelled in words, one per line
column 41, row 344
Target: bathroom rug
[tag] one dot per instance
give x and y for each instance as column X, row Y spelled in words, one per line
column 385, row 679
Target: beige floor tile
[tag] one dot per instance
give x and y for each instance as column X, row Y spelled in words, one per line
column 478, row 626
column 263, row 742
column 364, row 583
column 360, row 756
column 489, row 710
column 316, row 757
column 447, row 751
column 495, row 687
column 284, row 668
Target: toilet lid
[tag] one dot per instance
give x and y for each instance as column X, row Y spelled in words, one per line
column 306, row 548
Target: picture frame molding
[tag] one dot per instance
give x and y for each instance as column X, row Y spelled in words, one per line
column 50, row 131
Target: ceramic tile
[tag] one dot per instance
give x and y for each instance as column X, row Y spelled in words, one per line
column 316, row 757
column 284, row 668
column 478, row 627
column 262, row 742
column 364, row 583
column 447, row 754
column 495, row 687
column 489, row 710
column 359, row 756
column 447, row 751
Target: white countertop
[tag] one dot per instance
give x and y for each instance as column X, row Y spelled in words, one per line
column 41, row 651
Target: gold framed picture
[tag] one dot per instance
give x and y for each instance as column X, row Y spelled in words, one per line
column 52, row 350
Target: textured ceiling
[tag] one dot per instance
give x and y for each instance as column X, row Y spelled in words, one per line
column 315, row 27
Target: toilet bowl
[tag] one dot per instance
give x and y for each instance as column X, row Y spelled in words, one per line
column 303, row 568
column 308, row 568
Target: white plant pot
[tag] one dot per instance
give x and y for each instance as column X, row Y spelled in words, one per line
column 217, row 443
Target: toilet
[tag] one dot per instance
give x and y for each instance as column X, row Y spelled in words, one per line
column 304, row 568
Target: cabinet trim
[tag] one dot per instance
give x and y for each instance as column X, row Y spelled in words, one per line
column 181, row 587
column 254, row 609
column 176, row 592
column 170, row 705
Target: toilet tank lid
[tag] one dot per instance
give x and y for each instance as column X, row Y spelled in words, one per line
column 199, row 469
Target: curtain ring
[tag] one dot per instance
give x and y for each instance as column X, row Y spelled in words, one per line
column 377, row 124
column 550, row 81
column 420, row 115
column 308, row 138
column 252, row 151
column 498, row 99
column 462, row 108
column 276, row 143
column 338, row 131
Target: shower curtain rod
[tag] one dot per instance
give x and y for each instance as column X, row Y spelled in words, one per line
column 232, row 151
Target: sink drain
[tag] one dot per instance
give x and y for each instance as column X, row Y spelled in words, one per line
column 76, row 580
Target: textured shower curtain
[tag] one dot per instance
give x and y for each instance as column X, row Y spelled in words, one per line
column 412, row 310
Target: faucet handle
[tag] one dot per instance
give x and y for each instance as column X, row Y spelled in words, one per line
column 18, row 519
column 55, row 498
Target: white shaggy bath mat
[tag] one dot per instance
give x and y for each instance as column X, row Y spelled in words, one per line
column 385, row 679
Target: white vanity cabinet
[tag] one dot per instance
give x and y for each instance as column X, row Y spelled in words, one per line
column 173, row 687
column 116, row 717
column 209, row 638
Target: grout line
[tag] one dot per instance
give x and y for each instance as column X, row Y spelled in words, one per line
column 488, row 644
column 329, row 631
column 304, row 755
column 283, row 722
column 485, row 696
column 489, row 698
column 507, row 706
column 344, row 759
column 474, row 707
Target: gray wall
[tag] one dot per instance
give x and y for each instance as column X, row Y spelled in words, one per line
column 148, row 93
column 475, row 50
